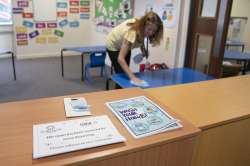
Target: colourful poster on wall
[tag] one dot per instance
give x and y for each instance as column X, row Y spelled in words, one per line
column 21, row 29
column 74, row 24
column 22, row 3
column 168, row 10
column 21, row 36
column 53, row 40
column 27, row 15
column 62, row 5
column 28, row 24
column 84, row 9
column 62, row 14
column 59, row 33
column 111, row 13
column 22, row 42
column 74, row 2
column 84, row 3
column 74, row 10
column 63, row 23
column 40, row 25
column 84, row 16
column 33, row 34
column 17, row 10
column 52, row 25
column 41, row 40
column 46, row 32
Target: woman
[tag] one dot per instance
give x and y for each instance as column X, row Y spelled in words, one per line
column 131, row 34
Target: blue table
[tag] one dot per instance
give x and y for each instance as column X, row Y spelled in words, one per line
column 164, row 77
column 83, row 51
column 239, row 56
column 235, row 43
column 2, row 52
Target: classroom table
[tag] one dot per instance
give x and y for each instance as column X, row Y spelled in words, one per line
column 221, row 109
column 235, row 43
column 170, row 148
column 3, row 52
column 163, row 77
column 238, row 56
column 84, row 51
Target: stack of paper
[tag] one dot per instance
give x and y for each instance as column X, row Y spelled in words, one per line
column 66, row 136
column 142, row 117
column 76, row 107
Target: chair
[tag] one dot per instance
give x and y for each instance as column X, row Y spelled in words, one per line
column 97, row 59
column 230, row 69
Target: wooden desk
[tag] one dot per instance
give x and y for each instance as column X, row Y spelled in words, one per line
column 221, row 109
column 166, row 149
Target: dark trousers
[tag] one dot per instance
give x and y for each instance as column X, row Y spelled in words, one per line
column 113, row 55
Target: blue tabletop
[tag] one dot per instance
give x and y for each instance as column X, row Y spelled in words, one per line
column 87, row 49
column 234, row 42
column 236, row 55
column 163, row 77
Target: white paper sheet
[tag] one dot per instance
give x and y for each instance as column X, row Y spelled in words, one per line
column 66, row 136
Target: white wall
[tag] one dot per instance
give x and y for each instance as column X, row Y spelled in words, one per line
column 241, row 9
column 6, row 37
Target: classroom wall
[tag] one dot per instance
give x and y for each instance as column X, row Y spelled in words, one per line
column 241, row 9
column 6, row 37
column 171, row 51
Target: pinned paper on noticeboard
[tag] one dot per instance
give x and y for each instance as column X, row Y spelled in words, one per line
column 21, row 29
column 59, row 33
column 46, row 32
column 53, row 40
column 21, row 36
column 22, row 42
column 23, row 3
column 33, row 34
column 28, row 24
column 41, row 40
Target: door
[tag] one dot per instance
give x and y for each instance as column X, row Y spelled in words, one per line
column 207, row 33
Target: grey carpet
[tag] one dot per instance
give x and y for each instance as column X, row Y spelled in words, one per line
column 37, row 78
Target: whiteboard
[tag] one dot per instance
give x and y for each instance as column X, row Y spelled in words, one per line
column 44, row 10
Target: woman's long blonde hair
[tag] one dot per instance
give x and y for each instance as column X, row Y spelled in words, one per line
column 149, row 18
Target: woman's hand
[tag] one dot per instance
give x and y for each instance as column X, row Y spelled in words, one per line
column 137, row 80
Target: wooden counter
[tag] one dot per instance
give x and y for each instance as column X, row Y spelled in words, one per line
column 221, row 108
column 166, row 149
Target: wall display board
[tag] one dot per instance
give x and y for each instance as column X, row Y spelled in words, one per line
column 109, row 13
column 42, row 25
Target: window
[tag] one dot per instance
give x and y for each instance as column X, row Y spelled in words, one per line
column 5, row 12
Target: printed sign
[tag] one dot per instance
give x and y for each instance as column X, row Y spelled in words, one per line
column 74, row 3
column 61, row 14
column 61, row 5
column 17, row 10
column 41, row 40
column 84, row 16
column 74, row 24
column 84, row 9
column 46, row 32
column 53, row 40
column 51, row 25
column 21, row 30
column 74, row 10
column 22, row 3
column 27, row 15
column 21, row 36
column 84, row 3
column 142, row 117
column 40, row 25
column 22, row 42
column 63, row 23
column 28, row 24
column 33, row 34
column 59, row 33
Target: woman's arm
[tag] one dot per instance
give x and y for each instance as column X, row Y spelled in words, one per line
column 126, row 47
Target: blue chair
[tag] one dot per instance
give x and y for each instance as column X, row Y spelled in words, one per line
column 97, row 59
